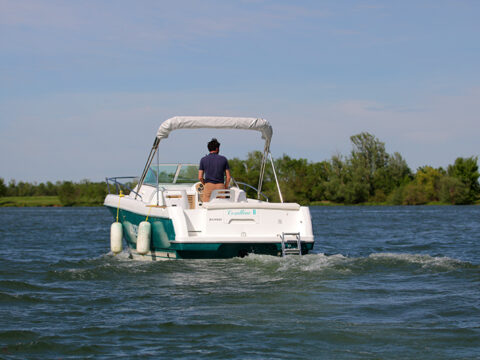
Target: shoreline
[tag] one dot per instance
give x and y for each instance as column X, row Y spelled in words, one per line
column 54, row 201
column 40, row 201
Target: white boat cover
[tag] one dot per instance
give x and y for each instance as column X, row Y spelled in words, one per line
column 216, row 122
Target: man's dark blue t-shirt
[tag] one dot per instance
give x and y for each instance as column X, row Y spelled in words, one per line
column 214, row 166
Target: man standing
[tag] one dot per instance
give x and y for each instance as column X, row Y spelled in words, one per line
column 212, row 169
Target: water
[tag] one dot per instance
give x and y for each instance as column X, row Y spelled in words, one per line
column 383, row 283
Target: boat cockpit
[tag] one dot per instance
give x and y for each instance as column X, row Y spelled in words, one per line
column 177, row 185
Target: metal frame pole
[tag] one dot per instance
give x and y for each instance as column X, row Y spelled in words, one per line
column 262, row 172
column 147, row 165
column 158, row 170
column 276, row 179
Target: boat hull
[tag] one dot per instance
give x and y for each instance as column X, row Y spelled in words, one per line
column 165, row 245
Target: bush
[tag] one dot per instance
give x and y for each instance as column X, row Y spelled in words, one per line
column 3, row 187
column 379, row 196
column 454, row 191
column 67, row 194
column 466, row 170
column 413, row 194
column 396, row 196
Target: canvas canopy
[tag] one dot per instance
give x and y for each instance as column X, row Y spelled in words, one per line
column 216, row 122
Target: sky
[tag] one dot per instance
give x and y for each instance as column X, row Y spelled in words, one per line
column 84, row 85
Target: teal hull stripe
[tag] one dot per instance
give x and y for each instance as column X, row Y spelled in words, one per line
column 162, row 228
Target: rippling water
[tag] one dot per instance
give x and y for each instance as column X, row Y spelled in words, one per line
column 384, row 282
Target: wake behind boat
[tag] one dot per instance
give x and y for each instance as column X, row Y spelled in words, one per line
column 163, row 216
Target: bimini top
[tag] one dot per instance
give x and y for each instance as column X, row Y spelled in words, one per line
column 216, row 122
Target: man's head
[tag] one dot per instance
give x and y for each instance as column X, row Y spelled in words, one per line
column 213, row 145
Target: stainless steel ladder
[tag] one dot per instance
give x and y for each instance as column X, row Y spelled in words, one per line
column 291, row 250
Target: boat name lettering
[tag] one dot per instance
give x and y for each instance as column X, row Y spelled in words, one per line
column 215, row 219
column 241, row 212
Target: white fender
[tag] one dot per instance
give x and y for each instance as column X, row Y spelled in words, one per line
column 143, row 238
column 162, row 234
column 116, row 236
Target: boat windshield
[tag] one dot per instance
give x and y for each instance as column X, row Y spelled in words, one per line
column 172, row 174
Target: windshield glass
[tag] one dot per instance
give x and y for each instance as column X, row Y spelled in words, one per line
column 172, row 174
column 187, row 174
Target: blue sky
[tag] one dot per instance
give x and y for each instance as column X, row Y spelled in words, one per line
column 84, row 85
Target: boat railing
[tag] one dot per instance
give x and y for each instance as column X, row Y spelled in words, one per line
column 245, row 185
column 126, row 184
column 122, row 183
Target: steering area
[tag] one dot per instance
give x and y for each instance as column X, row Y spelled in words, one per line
column 199, row 189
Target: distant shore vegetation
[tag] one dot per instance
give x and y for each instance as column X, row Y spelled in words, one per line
column 367, row 176
column 60, row 193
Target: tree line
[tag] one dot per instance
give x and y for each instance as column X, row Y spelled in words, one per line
column 367, row 175
column 83, row 193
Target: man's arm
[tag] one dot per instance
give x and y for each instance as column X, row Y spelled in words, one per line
column 227, row 182
column 200, row 177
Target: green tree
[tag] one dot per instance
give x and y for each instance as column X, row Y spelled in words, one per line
column 67, row 194
column 51, row 189
column 40, row 190
column 355, row 192
column 414, row 194
column 397, row 195
column 295, row 179
column 428, row 181
column 248, row 171
column 12, row 188
column 338, row 174
column 368, row 159
column 3, row 187
column 317, row 177
column 466, row 170
column 453, row 191
column 25, row 189
column 395, row 174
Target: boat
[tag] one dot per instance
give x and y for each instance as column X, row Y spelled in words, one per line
column 161, row 215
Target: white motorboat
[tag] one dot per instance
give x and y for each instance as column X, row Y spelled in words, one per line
column 163, row 215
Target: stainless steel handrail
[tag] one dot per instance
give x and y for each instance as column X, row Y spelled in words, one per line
column 251, row 187
column 115, row 181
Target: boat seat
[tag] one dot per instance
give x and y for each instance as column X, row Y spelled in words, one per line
column 223, row 195
column 176, row 198
column 240, row 195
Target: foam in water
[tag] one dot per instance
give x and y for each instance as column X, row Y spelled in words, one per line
column 425, row 261
column 344, row 264
column 320, row 261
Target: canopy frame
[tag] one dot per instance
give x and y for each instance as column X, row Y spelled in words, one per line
column 214, row 122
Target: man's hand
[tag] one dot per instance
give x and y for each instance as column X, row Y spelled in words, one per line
column 229, row 176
